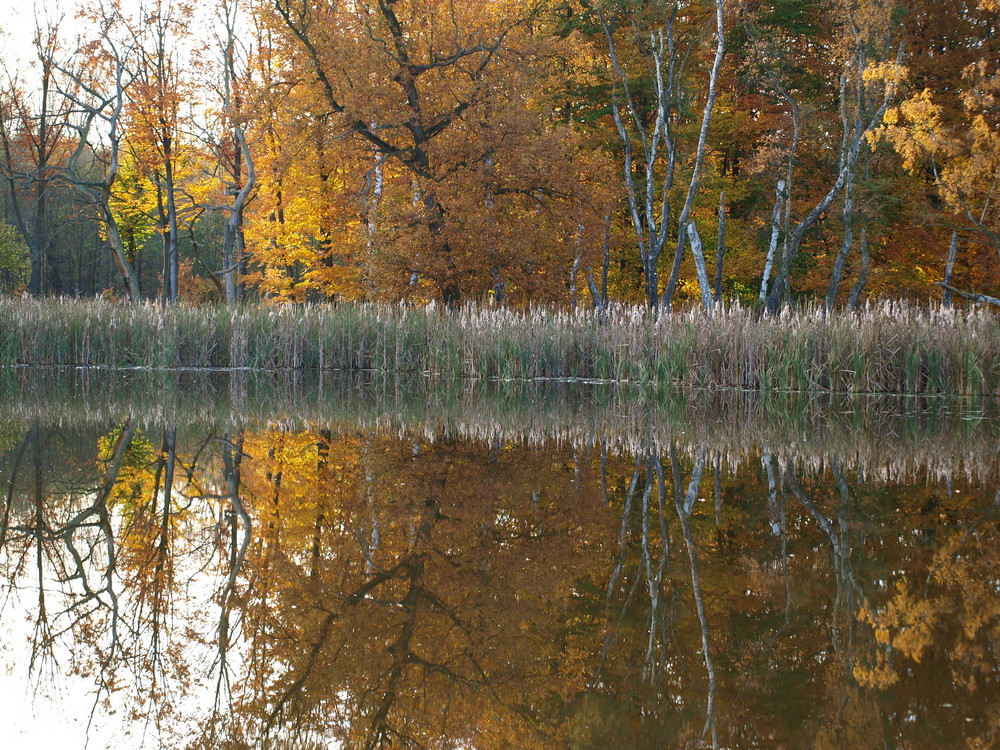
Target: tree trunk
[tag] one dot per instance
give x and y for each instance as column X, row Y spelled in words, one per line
column 232, row 239
column 949, row 268
column 128, row 274
column 650, row 214
column 985, row 298
column 779, row 292
column 172, row 238
column 682, row 221
column 845, row 247
column 161, row 215
column 720, row 248
column 595, row 293
column 779, row 195
column 699, row 264
column 859, row 285
column 850, row 149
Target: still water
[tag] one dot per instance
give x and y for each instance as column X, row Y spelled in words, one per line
column 706, row 576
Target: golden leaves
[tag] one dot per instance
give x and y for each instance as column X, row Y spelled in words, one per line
column 915, row 128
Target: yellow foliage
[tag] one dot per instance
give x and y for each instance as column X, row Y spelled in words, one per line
column 889, row 72
column 134, row 480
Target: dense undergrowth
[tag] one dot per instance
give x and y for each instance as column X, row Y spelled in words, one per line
column 889, row 347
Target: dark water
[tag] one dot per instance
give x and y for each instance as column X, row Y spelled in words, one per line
column 218, row 585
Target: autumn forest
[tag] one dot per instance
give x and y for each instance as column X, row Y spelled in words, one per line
column 500, row 373
column 505, row 152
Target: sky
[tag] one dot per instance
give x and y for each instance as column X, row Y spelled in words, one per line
column 17, row 24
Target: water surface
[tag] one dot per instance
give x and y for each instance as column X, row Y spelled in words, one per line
column 549, row 568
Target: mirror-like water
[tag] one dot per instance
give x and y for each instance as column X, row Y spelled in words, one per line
column 218, row 584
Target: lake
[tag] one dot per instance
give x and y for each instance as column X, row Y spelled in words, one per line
column 236, row 562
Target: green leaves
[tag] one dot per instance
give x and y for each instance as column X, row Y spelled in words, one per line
column 14, row 266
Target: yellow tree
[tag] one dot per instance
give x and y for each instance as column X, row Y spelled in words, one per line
column 158, row 92
column 423, row 139
column 949, row 132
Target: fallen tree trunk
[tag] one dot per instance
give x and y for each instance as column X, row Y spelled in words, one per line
column 969, row 295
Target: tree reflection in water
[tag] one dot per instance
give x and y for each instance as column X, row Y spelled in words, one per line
column 235, row 587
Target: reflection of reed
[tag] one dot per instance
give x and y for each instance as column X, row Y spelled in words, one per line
column 883, row 437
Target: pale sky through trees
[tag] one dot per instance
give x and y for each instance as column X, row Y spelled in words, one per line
column 18, row 24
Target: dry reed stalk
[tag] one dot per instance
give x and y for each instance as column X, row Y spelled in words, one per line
column 887, row 347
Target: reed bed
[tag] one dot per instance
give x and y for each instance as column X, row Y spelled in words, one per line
column 887, row 347
column 886, row 437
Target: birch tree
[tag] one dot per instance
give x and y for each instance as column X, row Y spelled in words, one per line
column 684, row 223
column 871, row 81
column 649, row 137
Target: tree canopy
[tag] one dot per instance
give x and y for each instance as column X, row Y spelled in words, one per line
column 510, row 151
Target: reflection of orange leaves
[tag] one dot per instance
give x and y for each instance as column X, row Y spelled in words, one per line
column 879, row 676
column 905, row 624
column 958, row 614
column 904, row 627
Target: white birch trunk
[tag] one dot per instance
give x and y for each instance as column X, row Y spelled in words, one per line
column 859, row 285
column 779, row 194
column 682, row 221
column 699, row 265
column 950, row 267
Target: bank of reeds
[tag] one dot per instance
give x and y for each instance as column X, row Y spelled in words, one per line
column 889, row 347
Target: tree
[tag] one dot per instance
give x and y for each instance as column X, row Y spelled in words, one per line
column 870, row 27
column 157, row 92
column 438, row 58
column 14, row 258
column 946, row 131
column 98, row 90
column 234, row 159
column 33, row 138
column 662, row 47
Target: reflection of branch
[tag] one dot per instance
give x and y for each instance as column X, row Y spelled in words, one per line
column 353, row 598
column 845, row 497
column 162, row 551
column 661, row 496
column 9, row 501
column 99, row 511
column 232, row 454
column 683, row 511
column 400, row 652
column 654, row 581
column 41, row 638
column 841, row 561
column 611, row 636
column 780, row 526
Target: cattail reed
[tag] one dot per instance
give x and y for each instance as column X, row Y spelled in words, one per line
column 887, row 347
